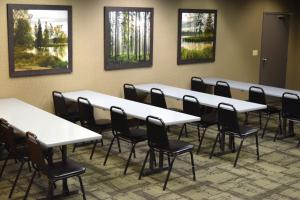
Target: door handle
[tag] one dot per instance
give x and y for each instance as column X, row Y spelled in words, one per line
column 264, row 60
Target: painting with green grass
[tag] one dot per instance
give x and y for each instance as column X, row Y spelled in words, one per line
column 40, row 39
column 196, row 36
column 128, row 37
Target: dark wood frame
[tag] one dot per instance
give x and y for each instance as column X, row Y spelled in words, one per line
column 12, row 72
column 113, row 66
column 180, row 11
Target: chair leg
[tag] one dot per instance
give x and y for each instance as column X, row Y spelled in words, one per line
column 257, row 148
column 129, row 158
column 200, row 139
column 107, row 154
column 102, row 144
column 50, row 190
column 119, row 146
column 214, row 146
column 74, row 147
column 193, row 166
column 279, row 127
column 4, row 165
column 29, row 166
column 16, row 179
column 82, row 188
column 246, row 118
column 134, row 156
column 266, row 125
column 29, row 186
column 169, row 172
column 181, row 131
column 144, row 164
column 93, row 150
column 238, row 153
column 298, row 144
column 185, row 130
column 260, row 123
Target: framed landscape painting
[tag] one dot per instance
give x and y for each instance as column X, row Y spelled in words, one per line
column 196, row 36
column 39, row 39
column 128, row 37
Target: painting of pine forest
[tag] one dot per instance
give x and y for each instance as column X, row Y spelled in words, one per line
column 39, row 39
column 196, row 36
column 128, row 37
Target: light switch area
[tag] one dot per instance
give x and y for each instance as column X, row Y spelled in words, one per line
column 254, row 52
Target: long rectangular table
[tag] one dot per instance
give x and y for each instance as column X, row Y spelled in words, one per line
column 203, row 98
column 244, row 86
column 51, row 131
column 131, row 108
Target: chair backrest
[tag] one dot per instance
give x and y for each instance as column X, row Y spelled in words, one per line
column 158, row 98
column 257, row 95
column 157, row 133
column 59, row 102
column 290, row 105
column 227, row 118
column 192, row 106
column 222, row 88
column 35, row 152
column 197, row 84
column 86, row 112
column 1, row 131
column 119, row 121
column 130, row 92
column 8, row 137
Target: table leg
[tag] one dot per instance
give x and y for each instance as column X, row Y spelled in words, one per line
column 64, row 158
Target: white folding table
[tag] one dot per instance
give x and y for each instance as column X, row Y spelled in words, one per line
column 131, row 108
column 203, row 98
column 51, row 131
column 244, row 86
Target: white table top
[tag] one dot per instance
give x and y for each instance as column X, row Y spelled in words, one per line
column 269, row 90
column 131, row 108
column 203, row 98
column 50, row 130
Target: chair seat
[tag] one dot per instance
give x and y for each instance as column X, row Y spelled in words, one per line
column 137, row 135
column 179, row 147
column 73, row 117
column 294, row 119
column 209, row 119
column 61, row 170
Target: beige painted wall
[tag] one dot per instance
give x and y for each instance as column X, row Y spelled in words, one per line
column 238, row 33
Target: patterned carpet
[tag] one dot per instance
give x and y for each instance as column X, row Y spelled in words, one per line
column 275, row 176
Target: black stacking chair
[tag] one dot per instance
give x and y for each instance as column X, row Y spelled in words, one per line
column 198, row 85
column 121, row 131
column 192, row 106
column 228, row 125
column 222, row 88
column 87, row 120
column 291, row 108
column 17, row 152
column 257, row 95
column 158, row 99
column 130, row 92
column 158, row 141
column 53, row 171
column 62, row 109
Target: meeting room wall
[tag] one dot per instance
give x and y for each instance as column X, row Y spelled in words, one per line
column 238, row 33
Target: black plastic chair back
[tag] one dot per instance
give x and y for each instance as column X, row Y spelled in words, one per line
column 257, row 95
column 8, row 138
column 35, row 153
column 86, row 112
column 290, row 105
column 157, row 133
column 158, row 98
column 222, row 88
column 227, row 119
column 197, row 84
column 192, row 106
column 119, row 121
column 130, row 92
column 59, row 102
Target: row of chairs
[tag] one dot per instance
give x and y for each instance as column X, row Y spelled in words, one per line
column 290, row 103
column 28, row 150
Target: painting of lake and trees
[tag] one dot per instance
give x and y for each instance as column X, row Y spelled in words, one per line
column 196, row 36
column 39, row 39
column 128, row 37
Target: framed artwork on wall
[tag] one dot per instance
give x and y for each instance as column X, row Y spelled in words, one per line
column 39, row 39
column 196, row 36
column 128, row 37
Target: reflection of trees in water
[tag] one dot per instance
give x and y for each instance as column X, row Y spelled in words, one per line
column 58, row 51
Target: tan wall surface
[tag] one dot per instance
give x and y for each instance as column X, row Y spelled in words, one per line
column 238, row 33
